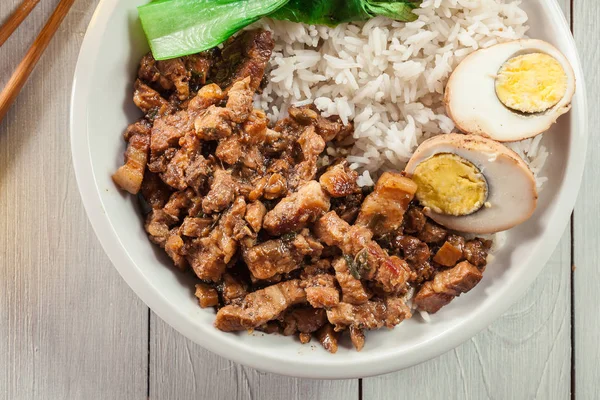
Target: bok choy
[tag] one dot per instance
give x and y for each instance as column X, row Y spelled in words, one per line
column 334, row 12
column 176, row 28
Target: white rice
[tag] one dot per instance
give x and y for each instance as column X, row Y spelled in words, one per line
column 388, row 77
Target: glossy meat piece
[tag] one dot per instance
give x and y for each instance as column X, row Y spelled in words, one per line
column 446, row 285
column 230, row 150
column 328, row 128
column 197, row 173
column 311, row 145
column 210, row 255
column 321, row 291
column 476, row 251
column 432, row 233
column 214, row 123
column 207, row 96
column 280, row 256
column 304, row 320
column 414, row 220
column 174, row 247
column 347, row 208
column 196, row 227
column 174, row 75
column 239, row 101
column 198, row 66
column 129, row 176
column 411, row 249
column 328, row 338
column 353, row 291
column 382, row 211
column 391, row 273
column 182, row 203
column 340, row 181
column 259, row 307
column 154, row 191
column 370, row 315
column 448, row 255
column 175, row 173
column 427, row 299
column 223, row 190
column 158, row 224
column 166, row 132
column 297, row 210
column 150, row 101
column 255, row 212
column 207, row 296
column 245, row 55
column 357, row 336
column 232, row 289
column 334, row 231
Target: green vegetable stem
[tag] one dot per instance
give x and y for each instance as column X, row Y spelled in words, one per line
column 176, row 28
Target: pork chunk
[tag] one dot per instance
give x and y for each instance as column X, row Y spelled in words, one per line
column 303, row 320
column 207, row 296
column 174, row 75
column 334, row 231
column 340, row 181
column 297, row 210
column 280, row 256
column 214, row 123
column 311, row 145
column 259, row 307
column 255, row 212
column 321, row 291
column 240, row 100
column 210, row 255
column 353, row 291
column 232, row 289
column 383, row 210
column 446, row 285
column 223, row 190
column 328, row 338
column 245, row 55
column 150, row 101
column 373, row 263
column 370, row 315
column 129, row 176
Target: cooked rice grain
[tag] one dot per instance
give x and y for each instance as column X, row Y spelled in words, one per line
column 388, row 77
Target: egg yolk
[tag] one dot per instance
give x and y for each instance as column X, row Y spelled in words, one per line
column 449, row 184
column 531, row 83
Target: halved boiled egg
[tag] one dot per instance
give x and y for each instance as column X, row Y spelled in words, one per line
column 469, row 183
column 510, row 91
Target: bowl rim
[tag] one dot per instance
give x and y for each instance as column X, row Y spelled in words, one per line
column 304, row 368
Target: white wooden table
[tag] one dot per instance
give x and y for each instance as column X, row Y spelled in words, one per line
column 70, row 328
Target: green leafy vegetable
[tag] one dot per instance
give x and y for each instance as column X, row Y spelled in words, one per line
column 352, row 267
column 175, row 28
column 333, row 12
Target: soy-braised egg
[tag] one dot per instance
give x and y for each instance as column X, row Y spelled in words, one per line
column 510, row 91
column 469, row 183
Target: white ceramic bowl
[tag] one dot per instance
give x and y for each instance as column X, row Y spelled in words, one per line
column 101, row 109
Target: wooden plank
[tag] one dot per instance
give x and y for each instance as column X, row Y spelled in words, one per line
column 587, row 214
column 70, row 327
column 523, row 355
column 180, row 369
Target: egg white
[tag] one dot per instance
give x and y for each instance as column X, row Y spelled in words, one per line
column 512, row 193
column 473, row 105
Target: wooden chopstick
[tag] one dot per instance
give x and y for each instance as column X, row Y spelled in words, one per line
column 19, row 77
column 16, row 18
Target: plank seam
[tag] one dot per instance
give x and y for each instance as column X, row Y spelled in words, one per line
column 148, row 355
